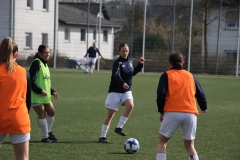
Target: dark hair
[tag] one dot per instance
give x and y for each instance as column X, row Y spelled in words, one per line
column 41, row 49
column 176, row 59
column 122, row 45
column 7, row 50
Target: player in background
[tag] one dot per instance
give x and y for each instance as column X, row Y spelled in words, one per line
column 177, row 89
column 41, row 93
column 120, row 91
column 92, row 56
column 15, row 100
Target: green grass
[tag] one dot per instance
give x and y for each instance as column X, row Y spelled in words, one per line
column 80, row 113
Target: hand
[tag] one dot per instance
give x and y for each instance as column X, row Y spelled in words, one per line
column 161, row 117
column 125, row 86
column 44, row 93
column 204, row 111
column 55, row 94
column 141, row 60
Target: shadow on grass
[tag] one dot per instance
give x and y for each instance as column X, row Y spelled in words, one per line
column 118, row 153
column 7, row 143
column 71, row 142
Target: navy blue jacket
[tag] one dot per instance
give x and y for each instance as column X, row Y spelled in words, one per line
column 28, row 95
column 122, row 72
column 92, row 52
column 163, row 88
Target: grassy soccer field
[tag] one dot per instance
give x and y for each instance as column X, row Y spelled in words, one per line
column 80, row 113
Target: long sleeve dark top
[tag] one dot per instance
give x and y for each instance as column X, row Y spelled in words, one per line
column 33, row 70
column 163, row 88
column 28, row 95
column 122, row 72
column 92, row 52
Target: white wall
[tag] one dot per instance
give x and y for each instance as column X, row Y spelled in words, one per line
column 227, row 37
column 36, row 21
column 76, row 48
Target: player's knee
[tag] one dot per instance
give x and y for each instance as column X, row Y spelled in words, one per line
column 51, row 113
column 130, row 106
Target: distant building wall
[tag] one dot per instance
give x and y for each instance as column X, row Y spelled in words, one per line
column 75, row 48
column 5, row 10
column 36, row 21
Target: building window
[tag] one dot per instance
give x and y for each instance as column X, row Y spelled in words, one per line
column 29, row 4
column 66, row 35
column 83, row 33
column 45, row 39
column 28, row 40
column 105, row 36
column 94, row 34
column 45, row 4
column 232, row 20
column 231, row 55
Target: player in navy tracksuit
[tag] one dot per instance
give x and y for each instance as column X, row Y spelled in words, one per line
column 120, row 91
column 92, row 51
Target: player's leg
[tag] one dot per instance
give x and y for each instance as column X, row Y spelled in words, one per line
column 93, row 65
column 161, row 147
column 87, row 62
column 106, row 125
column 21, row 150
column 189, row 146
column 49, row 108
column 111, row 104
column 20, row 145
column 127, row 98
column 42, row 121
column 171, row 122
column 189, row 127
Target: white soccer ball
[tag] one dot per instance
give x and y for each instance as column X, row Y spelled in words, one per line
column 131, row 145
column 86, row 71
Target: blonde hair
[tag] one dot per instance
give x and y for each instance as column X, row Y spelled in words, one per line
column 7, row 50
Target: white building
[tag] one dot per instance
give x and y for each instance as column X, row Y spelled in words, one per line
column 73, row 37
column 31, row 23
column 225, row 41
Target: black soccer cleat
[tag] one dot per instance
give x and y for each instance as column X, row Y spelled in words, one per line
column 119, row 131
column 52, row 137
column 103, row 140
column 47, row 140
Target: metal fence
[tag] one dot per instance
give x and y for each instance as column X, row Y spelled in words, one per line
column 205, row 31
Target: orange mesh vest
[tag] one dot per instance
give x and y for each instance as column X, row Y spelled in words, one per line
column 181, row 92
column 14, row 117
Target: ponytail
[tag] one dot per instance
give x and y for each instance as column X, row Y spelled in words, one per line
column 7, row 50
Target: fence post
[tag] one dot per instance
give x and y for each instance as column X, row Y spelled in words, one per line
column 190, row 37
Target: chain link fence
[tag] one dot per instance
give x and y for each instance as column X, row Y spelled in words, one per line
column 205, row 31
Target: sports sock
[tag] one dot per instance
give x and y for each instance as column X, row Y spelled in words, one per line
column 92, row 67
column 104, row 130
column 50, row 121
column 161, row 156
column 122, row 121
column 194, row 157
column 43, row 126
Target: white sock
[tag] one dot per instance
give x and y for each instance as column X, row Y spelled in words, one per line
column 104, row 130
column 194, row 157
column 43, row 126
column 50, row 121
column 161, row 156
column 122, row 121
column 92, row 67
